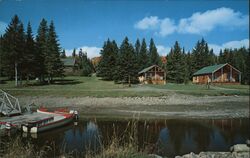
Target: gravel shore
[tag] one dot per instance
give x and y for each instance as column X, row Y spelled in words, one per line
column 171, row 106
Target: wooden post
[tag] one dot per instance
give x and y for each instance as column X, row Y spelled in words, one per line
column 212, row 79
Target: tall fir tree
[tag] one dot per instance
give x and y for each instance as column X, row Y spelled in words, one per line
column 54, row 65
column 74, row 53
column 109, row 57
column 137, row 48
column 13, row 48
column 143, row 58
column 201, row 55
column 86, row 65
column 127, row 63
column 30, row 64
column 154, row 58
column 42, row 49
column 176, row 68
column 63, row 54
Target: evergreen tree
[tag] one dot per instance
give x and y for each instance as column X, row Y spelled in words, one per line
column 13, row 48
column 86, row 65
column 143, row 58
column 63, row 54
column 189, row 65
column 176, row 69
column 109, row 56
column 74, row 53
column 42, row 49
column 154, row 58
column 127, row 63
column 201, row 56
column 54, row 65
column 137, row 48
column 30, row 64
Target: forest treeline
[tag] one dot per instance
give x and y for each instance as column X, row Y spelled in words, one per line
column 23, row 57
column 122, row 64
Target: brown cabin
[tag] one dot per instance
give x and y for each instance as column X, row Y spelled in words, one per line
column 152, row 75
column 222, row 73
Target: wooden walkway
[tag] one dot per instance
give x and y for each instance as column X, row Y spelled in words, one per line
column 18, row 121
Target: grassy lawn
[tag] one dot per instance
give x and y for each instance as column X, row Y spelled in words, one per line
column 94, row 86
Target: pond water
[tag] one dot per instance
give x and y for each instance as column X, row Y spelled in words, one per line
column 162, row 137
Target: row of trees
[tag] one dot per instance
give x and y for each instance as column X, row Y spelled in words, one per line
column 22, row 56
column 123, row 64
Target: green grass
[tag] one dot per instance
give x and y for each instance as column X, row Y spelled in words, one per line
column 95, row 87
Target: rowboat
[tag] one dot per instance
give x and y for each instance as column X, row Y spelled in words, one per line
column 49, row 120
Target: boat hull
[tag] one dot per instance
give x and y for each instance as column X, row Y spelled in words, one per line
column 51, row 125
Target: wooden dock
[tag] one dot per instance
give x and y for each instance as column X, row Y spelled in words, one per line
column 18, row 121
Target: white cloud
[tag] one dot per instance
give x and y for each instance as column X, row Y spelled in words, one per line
column 198, row 23
column 91, row 51
column 151, row 22
column 167, row 27
column 3, row 27
column 230, row 44
column 162, row 50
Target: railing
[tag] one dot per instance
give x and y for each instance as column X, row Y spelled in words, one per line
column 9, row 105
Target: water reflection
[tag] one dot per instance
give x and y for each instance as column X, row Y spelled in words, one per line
column 163, row 137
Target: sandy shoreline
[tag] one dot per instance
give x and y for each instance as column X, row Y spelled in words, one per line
column 171, row 106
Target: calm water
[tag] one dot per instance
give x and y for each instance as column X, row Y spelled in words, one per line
column 163, row 137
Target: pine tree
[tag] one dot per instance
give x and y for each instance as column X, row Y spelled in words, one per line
column 86, row 65
column 30, row 54
column 42, row 49
column 13, row 48
column 53, row 63
column 137, row 48
column 127, row 63
column 109, row 56
column 154, row 58
column 143, row 58
column 201, row 55
column 74, row 53
column 176, row 68
column 63, row 54
column 189, row 65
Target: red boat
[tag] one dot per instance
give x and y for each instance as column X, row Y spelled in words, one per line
column 49, row 120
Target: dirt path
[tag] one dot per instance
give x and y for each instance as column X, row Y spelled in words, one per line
column 171, row 106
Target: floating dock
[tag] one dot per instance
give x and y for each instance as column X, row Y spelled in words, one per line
column 18, row 121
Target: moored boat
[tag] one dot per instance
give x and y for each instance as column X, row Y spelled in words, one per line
column 49, row 121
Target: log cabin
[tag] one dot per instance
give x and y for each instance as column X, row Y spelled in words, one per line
column 222, row 74
column 152, row 75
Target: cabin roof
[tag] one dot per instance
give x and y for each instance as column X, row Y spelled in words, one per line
column 209, row 69
column 212, row 69
column 148, row 68
column 68, row 61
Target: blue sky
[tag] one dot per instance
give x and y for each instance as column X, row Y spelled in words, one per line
column 87, row 24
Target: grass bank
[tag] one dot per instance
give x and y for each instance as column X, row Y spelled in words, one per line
column 95, row 87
